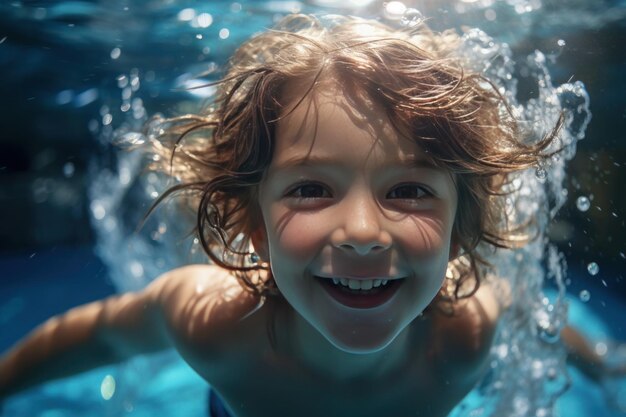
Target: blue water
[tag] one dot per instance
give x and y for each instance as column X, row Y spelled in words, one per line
column 40, row 284
column 68, row 57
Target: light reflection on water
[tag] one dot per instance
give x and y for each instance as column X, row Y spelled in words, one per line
column 156, row 52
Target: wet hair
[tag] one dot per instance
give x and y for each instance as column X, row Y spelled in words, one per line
column 415, row 76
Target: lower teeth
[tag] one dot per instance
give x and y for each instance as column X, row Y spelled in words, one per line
column 360, row 291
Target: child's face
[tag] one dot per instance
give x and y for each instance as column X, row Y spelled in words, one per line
column 345, row 197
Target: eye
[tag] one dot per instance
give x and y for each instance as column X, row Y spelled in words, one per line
column 308, row 191
column 409, row 192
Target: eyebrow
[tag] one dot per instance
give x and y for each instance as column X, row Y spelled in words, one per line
column 314, row 160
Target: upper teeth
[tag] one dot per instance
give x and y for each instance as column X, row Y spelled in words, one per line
column 360, row 284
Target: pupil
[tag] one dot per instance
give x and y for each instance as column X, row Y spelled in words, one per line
column 407, row 192
column 311, row 191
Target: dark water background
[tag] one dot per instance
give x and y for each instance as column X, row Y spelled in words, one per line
column 59, row 64
column 57, row 67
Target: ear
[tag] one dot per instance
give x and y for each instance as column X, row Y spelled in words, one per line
column 259, row 241
column 455, row 249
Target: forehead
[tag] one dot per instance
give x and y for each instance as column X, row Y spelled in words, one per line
column 328, row 123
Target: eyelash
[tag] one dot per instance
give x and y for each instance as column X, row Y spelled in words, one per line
column 423, row 192
column 300, row 186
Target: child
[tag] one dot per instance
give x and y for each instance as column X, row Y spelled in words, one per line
column 366, row 169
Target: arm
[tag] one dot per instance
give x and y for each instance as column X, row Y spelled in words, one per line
column 89, row 336
column 582, row 356
column 465, row 336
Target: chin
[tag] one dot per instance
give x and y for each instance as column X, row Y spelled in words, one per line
column 362, row 341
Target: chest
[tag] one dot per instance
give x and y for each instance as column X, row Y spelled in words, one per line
column 255, row 380
column 258, row 387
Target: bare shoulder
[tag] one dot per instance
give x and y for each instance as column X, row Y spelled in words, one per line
column 199, row 302
column 465, row 337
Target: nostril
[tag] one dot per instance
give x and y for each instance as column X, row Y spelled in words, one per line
column 362, row 249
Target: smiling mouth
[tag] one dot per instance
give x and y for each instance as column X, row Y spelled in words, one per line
column 360, row 293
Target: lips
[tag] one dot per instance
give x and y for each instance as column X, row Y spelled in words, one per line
column 362, row 293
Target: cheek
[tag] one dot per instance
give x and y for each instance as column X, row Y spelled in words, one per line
column 297, row 236
column 426, row 237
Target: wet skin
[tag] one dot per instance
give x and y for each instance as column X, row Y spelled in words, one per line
column 347, row 197
column 344, row 197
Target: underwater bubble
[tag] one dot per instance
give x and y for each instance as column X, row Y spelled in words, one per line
column 93, row 126
column 64, row 97
column 560, row 42
column 136, row 269
column 68, row 169
column 139, row 114
column 186, row 15
column 593, row 268
column 575, row 103
column 203, row 20
column 134, row 84
column 549, row 335
column 97, row 209
column 137, row 103
column 127, row 93
column 411, row 18
column 521, row 405
column 107, row 119
column 541, row 174
column 107, row 387
column 601, row 348
column 584, row 296
column 125, row 175
column 152, row 178
column 224, row 33
column 490, row 15
column 130, row 139
column 86, row 97
column 115, row 53
column 583, row 203
column 199, row 36
column 549, row 332
column 394, row 10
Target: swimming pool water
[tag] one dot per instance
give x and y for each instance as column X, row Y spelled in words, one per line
column 49, row 282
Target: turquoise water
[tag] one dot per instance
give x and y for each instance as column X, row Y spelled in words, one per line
column 130, row 60
column 163, row 385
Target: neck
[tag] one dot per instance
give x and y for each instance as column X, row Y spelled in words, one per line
column 314, row 354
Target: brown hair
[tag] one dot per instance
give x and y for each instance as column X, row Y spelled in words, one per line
column 458, row 118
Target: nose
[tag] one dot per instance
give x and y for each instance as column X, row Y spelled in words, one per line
column 361, row 228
